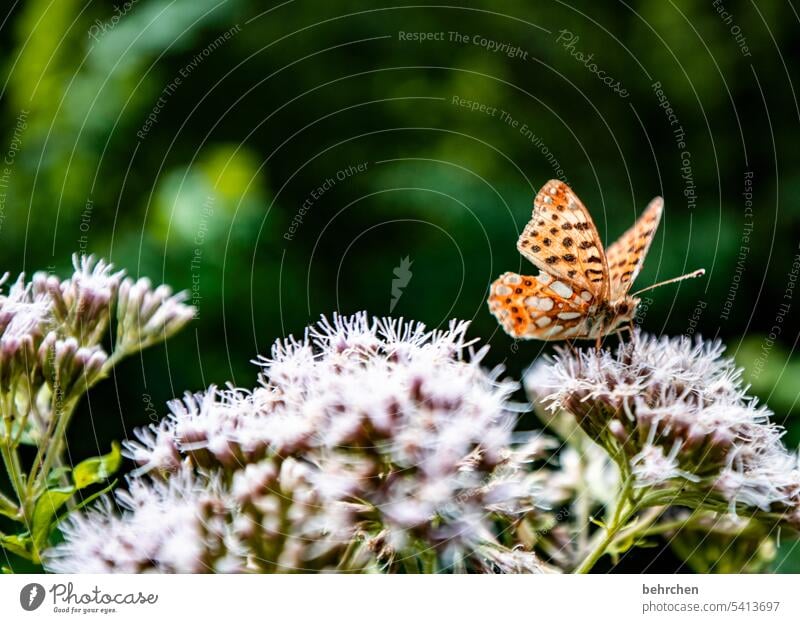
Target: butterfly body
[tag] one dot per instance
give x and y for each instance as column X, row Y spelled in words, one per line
column 581, row 290
column 529, row 307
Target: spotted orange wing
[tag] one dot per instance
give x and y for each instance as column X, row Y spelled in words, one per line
column 626, row 256
column 541, row 307
column 562, row 240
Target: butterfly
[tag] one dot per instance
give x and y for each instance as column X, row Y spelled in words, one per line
column 581, row 290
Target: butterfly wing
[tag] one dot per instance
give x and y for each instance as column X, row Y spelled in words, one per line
column 562, row 240
column 541, row 307
column 626, row 256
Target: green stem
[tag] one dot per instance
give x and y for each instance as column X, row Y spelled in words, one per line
column 49, row 447
column 53, row 451
column 583, row 511
column 113, row 359
column 641, row 527
column 344, row 563
column 44, row 443
column 624, row 509
column 7, row 505
column 668, row 526
column 11, row 462
column 8, row 450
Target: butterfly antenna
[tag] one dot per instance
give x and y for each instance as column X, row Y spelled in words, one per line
column 696, row 273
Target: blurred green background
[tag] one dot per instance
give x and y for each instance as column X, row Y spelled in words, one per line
column 280, row 160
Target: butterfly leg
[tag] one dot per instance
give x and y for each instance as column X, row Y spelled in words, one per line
column 620, row 333
column 572, row 349
column 628, row 328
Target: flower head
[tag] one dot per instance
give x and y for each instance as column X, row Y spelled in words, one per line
column 51, row 352
column 146, row 315
column 24, row 318
column 182, row 525
column 51, row 329
column 676, row 413
column 369, row 443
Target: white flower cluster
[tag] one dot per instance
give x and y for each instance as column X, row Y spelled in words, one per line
column 677, row 413
column 194, row 534
column 51, row 331
column 368, row 444
column 52, row 351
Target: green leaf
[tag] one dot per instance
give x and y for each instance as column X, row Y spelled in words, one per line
column 54, row 477
column 86, row 473
column 17, row 544
column 97, row 468
column 94, row 496
column 8, row 508
column 44, row 514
